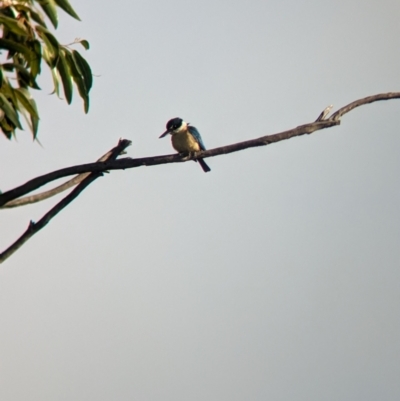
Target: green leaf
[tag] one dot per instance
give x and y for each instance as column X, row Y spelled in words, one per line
column 71, row 63
column 23, row 74
column 13, row 25
column 8, row 91
column 79, row 81
column 33, row 14
column 25, row 98
column 7, row 129
column 35, row 123
column 9, row 66
column 84, row 68
column 1, row 77
column 29, row 104
column 7, row 107
column 85, row 44
column 17, row 48
column 56, row 81
column 65, row 74
column 52, row 45
column 86, row 104
column 64, row 4
column 49, row 7
column 26, row 79
column 36, row 61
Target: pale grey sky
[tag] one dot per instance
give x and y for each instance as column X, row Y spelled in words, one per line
column 274, row 277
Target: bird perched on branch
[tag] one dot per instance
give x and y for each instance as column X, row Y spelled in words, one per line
column 185, row 139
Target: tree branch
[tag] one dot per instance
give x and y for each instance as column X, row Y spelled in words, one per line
column 54, row 191
column 33, row 228
column 357, row 103
column 126, row 163
column 89, row 172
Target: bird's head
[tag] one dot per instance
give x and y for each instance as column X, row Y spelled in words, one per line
column 174, row 126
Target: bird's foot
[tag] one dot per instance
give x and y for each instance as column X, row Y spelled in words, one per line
column 194, row 155
column 185, row 155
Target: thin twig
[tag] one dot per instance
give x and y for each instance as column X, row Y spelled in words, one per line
column 46, row 194
column 370, row 99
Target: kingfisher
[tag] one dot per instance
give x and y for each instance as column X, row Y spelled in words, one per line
column 185, row 139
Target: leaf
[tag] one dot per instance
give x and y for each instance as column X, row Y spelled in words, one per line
column 84, row 68
column 85, row 44
column 36, row 61
column 34, row 15
column 26, row 79
column 27, row 101
column 49, row 7
column 35, row 123
column 8, row 91
column 79, row 81
column 17, row 48
column 8, row 66
column 64, row 4
column 7, row 129
column 52, row 45
column 13, row 25
column 86, row 104
column 7, row 107
column 29, row 104
column 65, row 74
column 23, row 74
column 56, row 81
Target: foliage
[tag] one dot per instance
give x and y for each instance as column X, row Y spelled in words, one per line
column 26, row 41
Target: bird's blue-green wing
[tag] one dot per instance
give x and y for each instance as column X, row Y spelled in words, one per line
column 196, row 134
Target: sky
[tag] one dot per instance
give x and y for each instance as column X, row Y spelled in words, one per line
column 273, row 277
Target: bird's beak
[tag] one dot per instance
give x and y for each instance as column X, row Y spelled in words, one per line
column 164, row 134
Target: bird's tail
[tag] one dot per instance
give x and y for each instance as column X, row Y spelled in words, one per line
column 204, row 165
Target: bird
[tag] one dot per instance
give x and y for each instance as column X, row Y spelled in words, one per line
column 185, row 139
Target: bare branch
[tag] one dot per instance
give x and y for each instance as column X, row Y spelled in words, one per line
column 33, row 228
column 126, row 163
column 46, row 194
column 89, row 172
column 370, row 99
column 54, row 191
